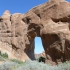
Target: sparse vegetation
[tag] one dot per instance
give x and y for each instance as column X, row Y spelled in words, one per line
column 13, row 64
column 17, row 61
column 8, row 66
column 4, row 55
column 32, row 65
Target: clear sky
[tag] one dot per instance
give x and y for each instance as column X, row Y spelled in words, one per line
column 22, row 6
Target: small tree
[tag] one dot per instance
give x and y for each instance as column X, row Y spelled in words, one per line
column 41, row 59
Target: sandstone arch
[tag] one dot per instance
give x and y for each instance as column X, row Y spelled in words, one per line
column 50, row 21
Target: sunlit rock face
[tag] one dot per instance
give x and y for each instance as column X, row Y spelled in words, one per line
column 50, row 21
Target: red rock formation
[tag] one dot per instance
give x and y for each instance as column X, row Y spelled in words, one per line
column 40, row 55
column 50, row 21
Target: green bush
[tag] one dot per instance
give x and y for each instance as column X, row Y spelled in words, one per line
column 4, row 55
column 41, row 59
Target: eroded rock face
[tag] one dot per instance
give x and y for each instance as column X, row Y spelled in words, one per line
column 50, row 21
column 13, row 32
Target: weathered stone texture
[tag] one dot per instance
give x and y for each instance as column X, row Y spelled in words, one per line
column 50, row 21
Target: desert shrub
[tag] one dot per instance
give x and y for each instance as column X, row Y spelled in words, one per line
column 11, row 64
column 41, row 59
column 17, row 61
column 8, row 66
column 34, row 65
column 2, row 59
column 4, row 55
column 63, row 66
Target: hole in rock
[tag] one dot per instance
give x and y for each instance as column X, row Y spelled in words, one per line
column 38, row 45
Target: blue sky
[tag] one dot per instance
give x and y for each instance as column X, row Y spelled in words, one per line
column 38, row 45
column 22, row 6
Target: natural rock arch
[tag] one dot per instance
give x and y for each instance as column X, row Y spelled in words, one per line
column 50, row 21
column 53, row 28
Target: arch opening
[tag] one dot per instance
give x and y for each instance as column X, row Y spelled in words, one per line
column 38, row 45
column 39, row 50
